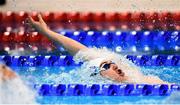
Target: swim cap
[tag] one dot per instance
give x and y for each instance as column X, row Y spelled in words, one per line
column 96, row 62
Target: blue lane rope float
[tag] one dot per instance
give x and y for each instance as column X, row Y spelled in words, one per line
column 127, row 40
column 119, row 41
column 106, row 89
column 141, row 60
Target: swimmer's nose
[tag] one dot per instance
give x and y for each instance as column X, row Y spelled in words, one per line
column 120, row 72
column 115, row 67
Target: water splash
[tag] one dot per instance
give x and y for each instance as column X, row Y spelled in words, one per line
column 16, row 92
column 166, row 73
column 82, row 74
column 130, row 69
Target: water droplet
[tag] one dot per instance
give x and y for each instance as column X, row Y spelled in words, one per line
column 30, row 46
column 23, row 22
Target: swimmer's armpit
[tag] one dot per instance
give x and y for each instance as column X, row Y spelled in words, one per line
column 6, row 73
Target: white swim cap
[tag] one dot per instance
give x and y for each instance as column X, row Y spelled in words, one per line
column 96, row 62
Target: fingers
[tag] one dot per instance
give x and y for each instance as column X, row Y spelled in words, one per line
column 40, row 18
column 38, row 25
column 31, row 20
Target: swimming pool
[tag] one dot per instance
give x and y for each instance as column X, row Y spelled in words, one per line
column 55, row 70
column 50, row 70
column 65, row 73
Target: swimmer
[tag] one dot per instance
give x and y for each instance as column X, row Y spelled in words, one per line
column 107, row 64
column 12, row 89
column 6, row 73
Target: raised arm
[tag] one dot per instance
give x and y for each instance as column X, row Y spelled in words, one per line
column 69, row 44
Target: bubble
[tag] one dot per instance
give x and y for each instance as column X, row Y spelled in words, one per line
column 69, row 21
column 177, row 48
column 118, row 49
column 146, row 48
column 23, row 22
column 30, row 46
column 7, row 49
column 133, row 48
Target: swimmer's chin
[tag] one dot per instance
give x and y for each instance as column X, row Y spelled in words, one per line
column 123, row 79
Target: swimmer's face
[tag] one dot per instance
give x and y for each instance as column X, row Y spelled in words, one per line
column 111, row 71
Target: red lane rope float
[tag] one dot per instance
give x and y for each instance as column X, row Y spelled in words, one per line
column 20, row 37
column 7, row 36
column 34, row 37
column 99, row 20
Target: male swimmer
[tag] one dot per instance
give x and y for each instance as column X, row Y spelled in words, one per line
column 105, row 63
column 12, row 88
column 6, row 73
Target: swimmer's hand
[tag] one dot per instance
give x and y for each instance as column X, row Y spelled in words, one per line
column 72, row 46
column 6, row 73
column 39, row 25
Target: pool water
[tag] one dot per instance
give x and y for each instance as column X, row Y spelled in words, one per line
column 101, row 100
column 50, row 74
column 57, row 75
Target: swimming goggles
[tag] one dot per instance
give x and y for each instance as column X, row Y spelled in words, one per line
column 106, row 65
column 103, row 67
